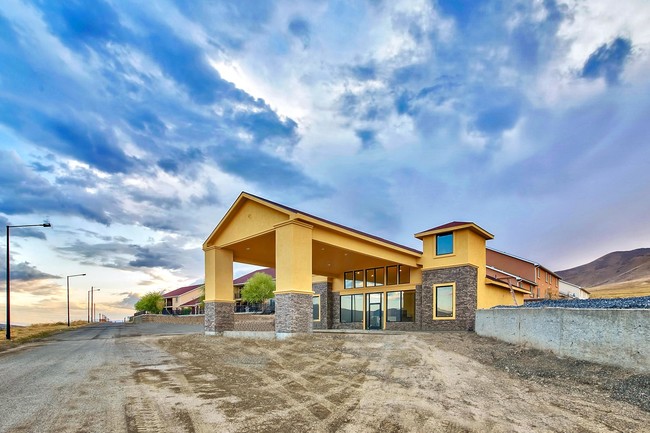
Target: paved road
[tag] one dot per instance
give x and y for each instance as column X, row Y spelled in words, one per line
column 79, row 380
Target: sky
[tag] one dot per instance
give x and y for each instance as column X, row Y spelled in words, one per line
column 132, row 127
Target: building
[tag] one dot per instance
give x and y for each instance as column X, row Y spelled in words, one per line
column 332, row 276
column 242, row 306
column 541, row 282
column 184, row 299
column 569, row 290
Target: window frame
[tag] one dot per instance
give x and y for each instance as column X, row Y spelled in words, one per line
column 396, row 268
column 399, row 273
column 374, row 280
column 453, row 301
column 346, row 279
column 401, row 306
column 312, row 307
column 352, row 308
column 363, row 278
column 453, row 241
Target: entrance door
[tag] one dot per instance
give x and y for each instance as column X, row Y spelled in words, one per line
column 374, row 313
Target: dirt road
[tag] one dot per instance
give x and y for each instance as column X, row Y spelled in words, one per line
column 420, row 382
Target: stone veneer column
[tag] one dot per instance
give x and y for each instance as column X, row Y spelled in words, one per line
column 293, row 278
column 219, row 303
column 219, row 317
column 324, row 289
column 293, row 313
column 466, row 280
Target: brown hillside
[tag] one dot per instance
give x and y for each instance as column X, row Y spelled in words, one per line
column 612, row 268
column 626, row 289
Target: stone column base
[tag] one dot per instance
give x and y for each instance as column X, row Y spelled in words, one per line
column 293, row 313
column 219, row 317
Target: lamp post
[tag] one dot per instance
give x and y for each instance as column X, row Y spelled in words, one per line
column 8, row 324
column 91, row 310
column 68, row 286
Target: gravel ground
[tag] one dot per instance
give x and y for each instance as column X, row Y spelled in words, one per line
column 641, row 302
column 546, row 368
column 129, row 378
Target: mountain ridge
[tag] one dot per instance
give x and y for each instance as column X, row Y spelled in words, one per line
column 614, row 267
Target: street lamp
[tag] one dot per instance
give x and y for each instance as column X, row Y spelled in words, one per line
column 68, row 285
column 8, row 325
column 90, row 303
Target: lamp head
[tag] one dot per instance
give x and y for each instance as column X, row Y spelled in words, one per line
column 47, row 225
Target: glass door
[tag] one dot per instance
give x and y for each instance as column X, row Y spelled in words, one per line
column 374, row 313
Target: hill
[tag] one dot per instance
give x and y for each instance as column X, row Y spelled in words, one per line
column 612, row 268
column 626, row 289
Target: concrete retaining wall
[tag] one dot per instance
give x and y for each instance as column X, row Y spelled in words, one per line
column 614, row 337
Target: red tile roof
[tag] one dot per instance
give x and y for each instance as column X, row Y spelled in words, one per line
column 181, row 291
column 244, row 278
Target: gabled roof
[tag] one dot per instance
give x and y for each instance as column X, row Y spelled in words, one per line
column 527, row 261
column 244, row 278
column 181, row 291
column 192, row 303
column 455, row 225
column 510, row 275
column 496, row 282
column 298, row 214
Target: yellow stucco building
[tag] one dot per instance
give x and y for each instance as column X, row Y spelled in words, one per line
column 329, row 276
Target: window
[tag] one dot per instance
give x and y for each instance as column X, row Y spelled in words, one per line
column 400, row 306
column 444, row 244
column 443, row 302
column 351, row 308
column 391, row 275
column 404, row 275
column 546, row 275
column 358, row 279
column 353, row 279
column 315, row 300
column 375, row 277
column 348, row 277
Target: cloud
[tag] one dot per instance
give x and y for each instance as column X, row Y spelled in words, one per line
column 23, row 271
column 128, row 301
column 130, row 256
column 268, row 171
column 608, row 61
column 368, row 138
column 27, row 192
column 22, row 232
column 299, row 27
